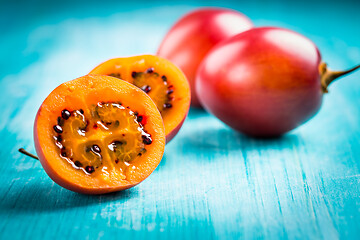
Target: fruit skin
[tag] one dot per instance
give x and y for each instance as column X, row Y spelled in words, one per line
column 175, row 116
column 192, row 37
column 263, row 82
column 92, row 89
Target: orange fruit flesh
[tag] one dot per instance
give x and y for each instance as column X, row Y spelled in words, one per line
column 156, row 87
column 91, row 137
column 82, row 142
column 160, row 79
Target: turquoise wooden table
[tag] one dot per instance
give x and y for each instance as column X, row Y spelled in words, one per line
column 212, row 181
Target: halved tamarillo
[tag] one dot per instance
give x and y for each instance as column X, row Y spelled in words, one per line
column 160, row 79
column 96, row 135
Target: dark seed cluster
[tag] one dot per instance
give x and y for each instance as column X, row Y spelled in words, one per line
column 147, row 88
column 95, row 149
column 65, row 115
column 170, row 97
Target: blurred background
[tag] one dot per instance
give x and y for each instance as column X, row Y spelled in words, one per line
column 45, row 43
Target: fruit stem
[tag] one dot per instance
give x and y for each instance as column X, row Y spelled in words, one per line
column 23, row 151
column 327, row 76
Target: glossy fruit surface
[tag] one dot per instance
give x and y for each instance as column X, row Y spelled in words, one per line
column 192, row 37
column 263, row 82
column 96, row 134
column 160, row 79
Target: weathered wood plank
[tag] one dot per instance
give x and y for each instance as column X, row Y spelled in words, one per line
column 212, row 181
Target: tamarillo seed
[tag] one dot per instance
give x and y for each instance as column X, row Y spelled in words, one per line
column 58, row 129
column 59, row 138
column 147, row 139
column 78, row 164
column 95, row 148
column 63, row 152
column 139, row 118
column 89, row 169
column 146, row 88
column 167, row 105
column 65, row 114
column 60, row 121
column 150, row 70
column 164, row 78
column 133, row 74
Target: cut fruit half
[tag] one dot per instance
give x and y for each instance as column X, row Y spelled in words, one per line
column 160, row 79
column 96, row 134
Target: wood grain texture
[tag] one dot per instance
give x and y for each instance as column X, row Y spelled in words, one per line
column 212, row 182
